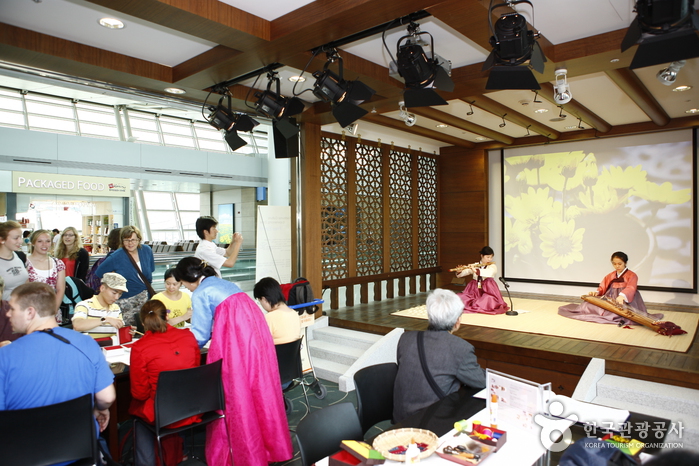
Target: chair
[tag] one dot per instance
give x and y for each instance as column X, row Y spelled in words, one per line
column 183, row 393
column 374, row 390
column 321, row 432
column 291, row 369
column 50, row 434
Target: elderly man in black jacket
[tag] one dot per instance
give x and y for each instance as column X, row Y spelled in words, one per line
column 447, row 360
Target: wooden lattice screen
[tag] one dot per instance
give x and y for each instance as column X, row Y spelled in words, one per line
column 378, row 208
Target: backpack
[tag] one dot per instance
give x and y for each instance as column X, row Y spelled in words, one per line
column 76, row 291
column 92, row 280
column 299, row 292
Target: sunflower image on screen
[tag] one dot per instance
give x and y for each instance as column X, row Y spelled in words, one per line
column 564, row 210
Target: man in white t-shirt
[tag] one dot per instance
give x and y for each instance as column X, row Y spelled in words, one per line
column 207, row 251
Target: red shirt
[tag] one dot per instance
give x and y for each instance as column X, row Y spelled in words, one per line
column 153, row 353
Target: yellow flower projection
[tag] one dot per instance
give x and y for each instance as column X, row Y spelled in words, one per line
column 532, row 206
column 663, row 193
column 519, row 235
column 623, row 178
column 601, row 198
column 561, row 243
column 567, row 170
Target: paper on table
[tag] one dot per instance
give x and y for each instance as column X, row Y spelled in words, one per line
column 588, row 413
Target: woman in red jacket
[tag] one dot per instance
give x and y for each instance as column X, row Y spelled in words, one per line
column 162, row 348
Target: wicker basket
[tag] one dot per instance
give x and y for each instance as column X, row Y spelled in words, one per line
column 394, row 438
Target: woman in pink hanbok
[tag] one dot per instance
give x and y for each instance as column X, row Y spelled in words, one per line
column 620, row 287
column 255, row 414
column 482, row 294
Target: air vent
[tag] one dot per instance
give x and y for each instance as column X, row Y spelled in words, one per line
column 43, row 162
column 225, row 177
column 157, row 171
column 191, row 174
column 557, row 119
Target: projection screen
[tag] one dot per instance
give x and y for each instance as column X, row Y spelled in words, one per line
column 568, row 207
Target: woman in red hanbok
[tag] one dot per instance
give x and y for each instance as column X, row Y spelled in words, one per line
column 619, row 286
column 482, row 294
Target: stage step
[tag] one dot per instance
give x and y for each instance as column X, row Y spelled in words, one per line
column 678, row 404
column 333, row 350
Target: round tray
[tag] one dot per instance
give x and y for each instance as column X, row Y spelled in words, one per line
column 393, row 438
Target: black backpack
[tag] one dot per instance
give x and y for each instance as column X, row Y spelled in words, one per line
column 76, row 291
column 300, row 292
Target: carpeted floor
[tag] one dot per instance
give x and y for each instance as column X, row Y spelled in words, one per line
column 541, row 317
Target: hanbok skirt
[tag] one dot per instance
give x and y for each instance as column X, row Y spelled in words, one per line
column 484, row 300
column 591, row 313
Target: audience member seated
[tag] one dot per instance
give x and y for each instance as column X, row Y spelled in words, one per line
column 99, row 316
column 7, row 336
column 449, row 360
column 213, row 255
column 50, row 364
column 178, row 304
column 284, row 322
column 162, row 348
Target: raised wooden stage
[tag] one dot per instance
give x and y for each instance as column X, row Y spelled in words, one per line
column 540, row 358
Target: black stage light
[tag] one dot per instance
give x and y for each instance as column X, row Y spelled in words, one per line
column 345, row 96
column 273, row 104
column 225, row 119
column 665, row 31
column 421, row 74
column 513, row 44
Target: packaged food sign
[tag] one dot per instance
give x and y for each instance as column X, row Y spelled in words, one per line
column 59, row 184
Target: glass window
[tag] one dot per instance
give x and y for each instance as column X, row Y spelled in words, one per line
column 146, row 136
column 188, row 201
column 172, row 140
column 11, row 119
column 189, row 220
column 11, row 103
column 169, row 236
column 158, row 200
column 53, row 125
column 163, row 220
column 40, row 108
column 102, row 131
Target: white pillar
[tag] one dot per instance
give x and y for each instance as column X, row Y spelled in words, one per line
column 278, row 177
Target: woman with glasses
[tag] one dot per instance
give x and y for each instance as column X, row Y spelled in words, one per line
column 70, row 250
column 134, row 261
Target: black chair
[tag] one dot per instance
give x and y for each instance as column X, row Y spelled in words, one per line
column 321, row 432
column 374, row 389
column 183, row 393
column 50, row 434
column 291, row 369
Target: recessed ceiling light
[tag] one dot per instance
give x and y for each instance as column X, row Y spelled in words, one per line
column 111, row 23
column 297, row 79
column 681, row 88
column 692, row 110
column 541, row 110
column 175, row 90
column 481, row 138
column 442, row 125
column 571, row 127
column 613, row 60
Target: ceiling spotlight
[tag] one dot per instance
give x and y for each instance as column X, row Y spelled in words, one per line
column 111, row 23
column 667, row 76
column 561, row 90
column 225, row 119
column 345, row 96
column 421, row 73
column 273, row 104
column 681, row 88
column 513, row 44
column 352, row 129
column 409, row 118
column 664, row 30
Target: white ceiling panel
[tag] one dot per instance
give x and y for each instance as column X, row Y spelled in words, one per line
column 267, row 9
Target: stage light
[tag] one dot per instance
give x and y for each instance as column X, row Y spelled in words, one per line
column 273, row 104
column 667, row 76
column 409, row 118
column 421, row 74
column 513, row 44
column 561, row 90
column 665, row 31
column 225, row 119
column 345, row 96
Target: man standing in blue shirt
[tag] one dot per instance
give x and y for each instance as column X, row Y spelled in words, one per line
column 50, row 364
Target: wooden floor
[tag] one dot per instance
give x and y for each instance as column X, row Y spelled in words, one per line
column 540, row 358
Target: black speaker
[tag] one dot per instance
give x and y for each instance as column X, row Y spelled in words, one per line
column 286, row 138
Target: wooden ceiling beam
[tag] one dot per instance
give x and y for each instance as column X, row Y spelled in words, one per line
column 576, row 109
column 416, row 130
column 634, row 88
column 457, row 122
column 496, row 108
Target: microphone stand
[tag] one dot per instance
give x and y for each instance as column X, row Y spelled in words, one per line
column 512, row 311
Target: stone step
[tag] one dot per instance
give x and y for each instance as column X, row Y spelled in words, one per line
column 340, row 353
column 345, row 337
column 328, row 370
column 651, row 394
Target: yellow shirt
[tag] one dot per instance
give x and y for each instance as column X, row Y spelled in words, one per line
column 285, row 325
column 176, row 308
